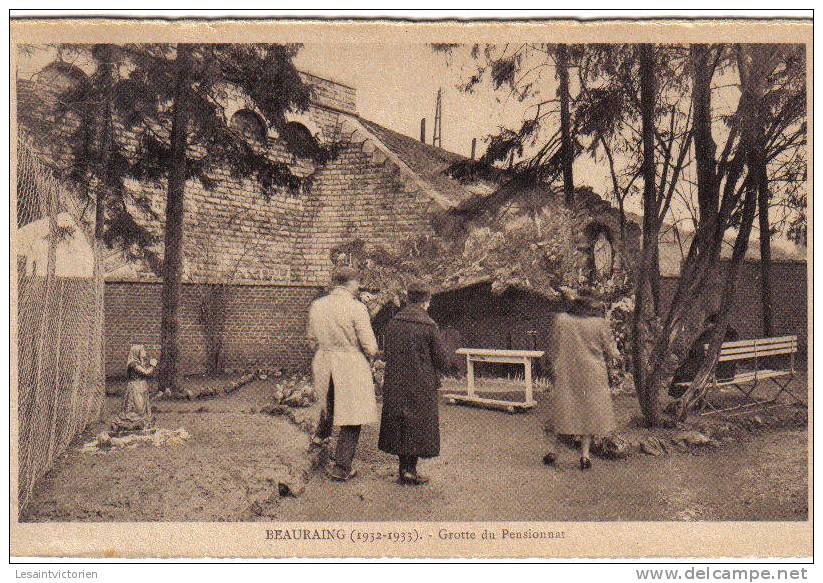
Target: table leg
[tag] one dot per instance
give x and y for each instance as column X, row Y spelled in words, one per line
column 470, row 376
column 528, row 364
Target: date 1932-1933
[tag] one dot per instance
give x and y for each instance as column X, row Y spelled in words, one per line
column 371, row 536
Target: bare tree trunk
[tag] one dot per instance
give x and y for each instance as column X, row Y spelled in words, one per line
column 701, row 273
column 647, row 292
column 765, row 243
column 765, row 260
column 106, row 141
column 741, row 243
column 621, row 209
column 51, row 254
column 755, row 64
column 106, row 138
column 686, row 315
column 704, row 145
column 173, row 241
column 566, row 143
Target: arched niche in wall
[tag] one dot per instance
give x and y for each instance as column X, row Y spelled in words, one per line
column 250, row 125
column 305, row 120
column 234, row 100
column 300, row 140
column 602, row 253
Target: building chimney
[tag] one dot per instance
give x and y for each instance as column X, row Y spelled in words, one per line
column 474, row 146
column 423, row 130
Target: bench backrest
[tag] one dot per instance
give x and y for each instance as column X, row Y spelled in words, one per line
column 757, row 347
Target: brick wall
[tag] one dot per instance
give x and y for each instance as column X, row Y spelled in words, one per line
column 354, row 196
column 265, row 325
column 236, row 232
column 482, row 319
column 487, row 320
column 789, row 300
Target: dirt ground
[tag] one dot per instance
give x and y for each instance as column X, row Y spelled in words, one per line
column 233, row 459
column 489, row 469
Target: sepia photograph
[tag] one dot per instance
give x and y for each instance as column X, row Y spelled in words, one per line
column 409, row 289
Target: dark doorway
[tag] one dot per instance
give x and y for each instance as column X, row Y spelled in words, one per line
column 475, row 317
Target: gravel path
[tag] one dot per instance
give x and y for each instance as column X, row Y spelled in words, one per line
column 489, row 470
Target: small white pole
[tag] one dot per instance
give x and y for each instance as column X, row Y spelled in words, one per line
column 528, row 364
column 470, row 375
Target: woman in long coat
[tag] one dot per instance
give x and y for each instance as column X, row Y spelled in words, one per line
column 409, row 425
column 580, row 402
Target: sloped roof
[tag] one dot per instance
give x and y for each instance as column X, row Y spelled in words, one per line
column 421, row 157
column 429, row 162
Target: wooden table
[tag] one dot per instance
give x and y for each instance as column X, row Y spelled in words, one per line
column 473, row 355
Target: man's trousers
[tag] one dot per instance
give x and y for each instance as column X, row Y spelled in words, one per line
column 347, row 438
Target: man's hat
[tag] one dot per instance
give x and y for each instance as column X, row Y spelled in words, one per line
column 417, row 292
column 418, row 287
column 343, row 275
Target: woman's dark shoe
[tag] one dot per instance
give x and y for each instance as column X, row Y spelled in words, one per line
column 549, row 459
column 585, row 463
column 318, row 443
column 412, row 478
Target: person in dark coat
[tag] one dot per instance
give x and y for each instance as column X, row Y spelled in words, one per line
column 414, row 355
column 697, row 354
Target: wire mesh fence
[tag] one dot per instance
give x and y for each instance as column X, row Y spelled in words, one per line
column 59, row 319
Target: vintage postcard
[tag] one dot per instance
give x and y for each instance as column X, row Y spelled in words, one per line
column 330, row 288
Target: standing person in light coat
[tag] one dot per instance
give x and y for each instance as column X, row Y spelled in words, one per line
column 580, row 402
column 340, row 332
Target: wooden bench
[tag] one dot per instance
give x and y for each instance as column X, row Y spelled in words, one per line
column 473, row 355
column 746, row 381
